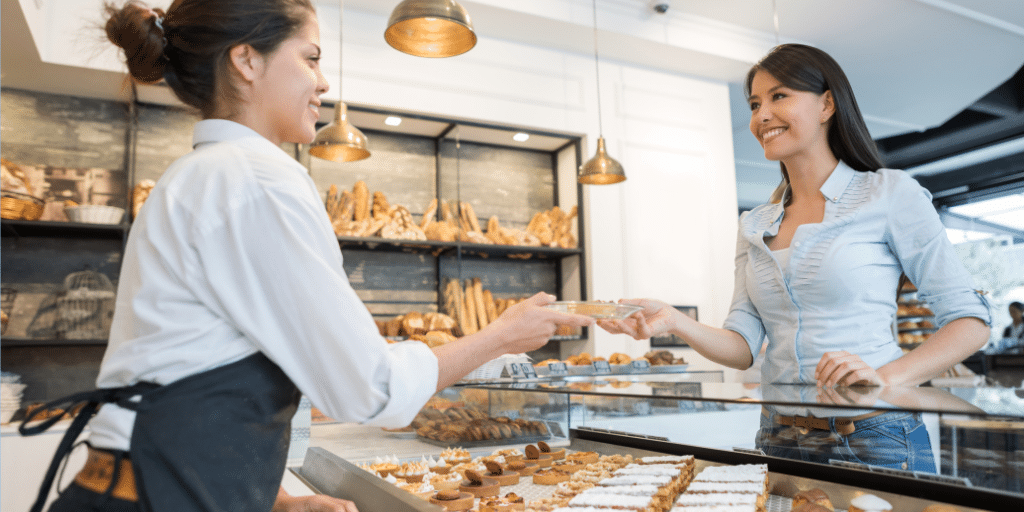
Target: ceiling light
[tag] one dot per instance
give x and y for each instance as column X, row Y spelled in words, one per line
column 430, row 28
column 601, row 169
column 393, row 121
column 521, row 137
column 339, row 141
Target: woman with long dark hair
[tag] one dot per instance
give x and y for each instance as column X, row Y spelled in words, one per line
column 818, row 266
column 232, row 297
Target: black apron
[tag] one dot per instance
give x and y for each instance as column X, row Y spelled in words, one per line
column 214, row 441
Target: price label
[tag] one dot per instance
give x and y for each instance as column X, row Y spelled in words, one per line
column 602, row 367
column 558, row 368
column 528, row 371
column 641, row 365
column 514, row 370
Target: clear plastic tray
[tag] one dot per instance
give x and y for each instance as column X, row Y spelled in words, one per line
column 599, row 310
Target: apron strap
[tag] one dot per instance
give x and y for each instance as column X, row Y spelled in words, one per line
column 92, row 400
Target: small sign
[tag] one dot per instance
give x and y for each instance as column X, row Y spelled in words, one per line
column 602, row 367
column 641, row 365
column 514, row 370
column 529, row 371
column 558, row 368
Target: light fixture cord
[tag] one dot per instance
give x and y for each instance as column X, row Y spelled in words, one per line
column 341, row 24
column 597, row 74
column 775, row 17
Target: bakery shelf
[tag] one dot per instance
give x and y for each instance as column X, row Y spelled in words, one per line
column 50, row 229
column 468, row 249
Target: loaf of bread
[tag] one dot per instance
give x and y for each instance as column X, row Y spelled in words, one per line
column 139, row 195
column 362, row 199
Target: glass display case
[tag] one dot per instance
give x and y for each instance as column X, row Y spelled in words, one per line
column 967, row 449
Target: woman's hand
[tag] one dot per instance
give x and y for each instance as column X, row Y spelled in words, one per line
column 314, row 503
column 656, row 319
column 528, row 325
column 845, row 369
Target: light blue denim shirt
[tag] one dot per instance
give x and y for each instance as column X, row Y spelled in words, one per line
column 839, row 292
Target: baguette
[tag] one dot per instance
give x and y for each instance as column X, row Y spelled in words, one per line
column 492, row 308
column 428, row 216
column 471, row 321
column 362, row 198
column 478, row 300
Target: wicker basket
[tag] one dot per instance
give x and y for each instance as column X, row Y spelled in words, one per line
column 18, row 206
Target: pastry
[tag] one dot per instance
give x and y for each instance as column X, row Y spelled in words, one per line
column 815, row 495
column 569, row 466
column 453, row 500
column 456, row 455
column 558, row 454
column 510, row 502
column 584, row 457
column 479, row 486
column 533, row 455
column 522, row 467
column 510, row 454
column 869, row 503
column 495, row 471
column 445, row 482
column 550, row 477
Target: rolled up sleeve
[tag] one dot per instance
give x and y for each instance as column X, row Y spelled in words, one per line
column 743, row 317
column 919, row 240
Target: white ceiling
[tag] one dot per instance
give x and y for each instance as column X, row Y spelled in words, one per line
column 913, row 63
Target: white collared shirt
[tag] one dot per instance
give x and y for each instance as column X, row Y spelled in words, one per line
column 233, row 254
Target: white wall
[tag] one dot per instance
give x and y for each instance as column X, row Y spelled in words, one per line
column 668, row 232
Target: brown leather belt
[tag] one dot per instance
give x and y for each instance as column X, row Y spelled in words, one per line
column 99, row 472
column 844, row 425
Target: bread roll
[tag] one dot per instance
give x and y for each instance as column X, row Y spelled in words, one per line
column 140, row 194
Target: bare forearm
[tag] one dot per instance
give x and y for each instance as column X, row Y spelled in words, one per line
column 722, row 346
column 946, row 347
column 458, row 358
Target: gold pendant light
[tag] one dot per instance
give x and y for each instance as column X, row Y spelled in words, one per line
column 430, row 28
column 601, row 169
column 339, row 141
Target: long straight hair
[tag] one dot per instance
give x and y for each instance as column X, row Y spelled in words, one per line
column 806, row 68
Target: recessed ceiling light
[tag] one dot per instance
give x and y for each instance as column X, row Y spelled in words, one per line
column 393, row 121
column 521, row 137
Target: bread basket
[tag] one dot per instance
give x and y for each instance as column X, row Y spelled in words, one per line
column 95, row 214
column 19, row 206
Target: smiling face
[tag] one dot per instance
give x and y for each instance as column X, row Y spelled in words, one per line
column 287, row 90
column 786, row 122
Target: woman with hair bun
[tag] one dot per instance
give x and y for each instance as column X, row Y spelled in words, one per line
column 232, row 298
column 818, row 267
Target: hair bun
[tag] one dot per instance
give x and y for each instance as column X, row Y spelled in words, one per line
column 135, row 28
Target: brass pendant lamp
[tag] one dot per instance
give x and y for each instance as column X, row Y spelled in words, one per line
column 339, row 141
column 430, row 28
column 602, row 169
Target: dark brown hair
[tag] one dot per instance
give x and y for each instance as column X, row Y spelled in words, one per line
column 806, row 68
column 188, row 44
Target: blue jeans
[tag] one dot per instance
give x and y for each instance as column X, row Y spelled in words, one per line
column 895, row 440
